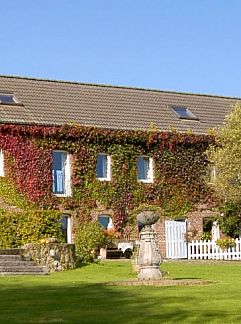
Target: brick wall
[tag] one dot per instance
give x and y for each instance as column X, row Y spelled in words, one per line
column 195, row 220
column 194, row 225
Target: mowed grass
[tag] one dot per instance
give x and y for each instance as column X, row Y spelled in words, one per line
column 79, row 296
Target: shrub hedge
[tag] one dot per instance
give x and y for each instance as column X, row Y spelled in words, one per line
column 28, row 226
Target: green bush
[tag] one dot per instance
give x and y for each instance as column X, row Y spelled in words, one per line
column 230, row 220
column 28, row 226
column 88, row 239
column 225, row 243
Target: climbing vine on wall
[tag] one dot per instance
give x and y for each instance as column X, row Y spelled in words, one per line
column 180, row 167
column 21, row 221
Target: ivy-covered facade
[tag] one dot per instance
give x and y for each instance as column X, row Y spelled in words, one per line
column 179, row 169
column 56, row 160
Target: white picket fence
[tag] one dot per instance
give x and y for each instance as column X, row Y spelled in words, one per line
column 204, row 250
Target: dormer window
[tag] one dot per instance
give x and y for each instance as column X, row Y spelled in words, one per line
column 8, row 99
column 184, row 113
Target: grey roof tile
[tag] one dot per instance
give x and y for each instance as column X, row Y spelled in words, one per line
column 47, row 102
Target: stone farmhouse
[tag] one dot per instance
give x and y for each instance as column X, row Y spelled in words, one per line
column 100, row 151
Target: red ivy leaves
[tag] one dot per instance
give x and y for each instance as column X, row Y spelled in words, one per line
column 28, row 166
column 179, row 160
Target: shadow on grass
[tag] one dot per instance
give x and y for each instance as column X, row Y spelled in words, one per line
column 96, row 303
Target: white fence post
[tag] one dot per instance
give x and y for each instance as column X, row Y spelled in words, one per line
column 202, row 250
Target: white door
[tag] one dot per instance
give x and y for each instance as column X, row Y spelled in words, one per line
column 176, row 245
column 215, row 231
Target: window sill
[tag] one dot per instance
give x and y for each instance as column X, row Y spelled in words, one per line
column 62, row 195
column 104, row 179
column 145, row 181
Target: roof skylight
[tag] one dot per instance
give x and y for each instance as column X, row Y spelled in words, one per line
column 184, row 113
column 7, row 99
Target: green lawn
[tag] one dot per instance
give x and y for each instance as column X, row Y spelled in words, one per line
column 79, row 297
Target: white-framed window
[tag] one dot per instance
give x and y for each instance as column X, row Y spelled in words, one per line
column 103, row 167
column 145, row 169
column 212, row 174
column 105, row 221
column 1, row 164
column 8, row 99
column 61, row 174
column 184, row 113
column 66, row 228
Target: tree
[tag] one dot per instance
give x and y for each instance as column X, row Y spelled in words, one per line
column 226, row 159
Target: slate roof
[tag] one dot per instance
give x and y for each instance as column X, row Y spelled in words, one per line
column 47, row 102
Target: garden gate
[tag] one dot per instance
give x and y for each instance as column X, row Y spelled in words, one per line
column 176, row 246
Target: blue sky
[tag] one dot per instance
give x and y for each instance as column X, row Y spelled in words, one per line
column 180, row 45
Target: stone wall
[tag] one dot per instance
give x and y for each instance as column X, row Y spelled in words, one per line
column 56, row 256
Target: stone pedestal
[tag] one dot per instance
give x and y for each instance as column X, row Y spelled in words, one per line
column 103, row 253
column 149, row 258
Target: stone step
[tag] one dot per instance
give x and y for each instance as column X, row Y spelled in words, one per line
column 23, row 269
column 12, row 262
column 15, row 263
column 14, row 258
column 5, row 257
column 11, row 251
column 23, row 273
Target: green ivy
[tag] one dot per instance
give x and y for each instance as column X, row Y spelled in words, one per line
column 11, row 196
column 22, row 221
column 180, row 165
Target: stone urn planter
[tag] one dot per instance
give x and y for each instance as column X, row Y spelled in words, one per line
column 147, row 217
